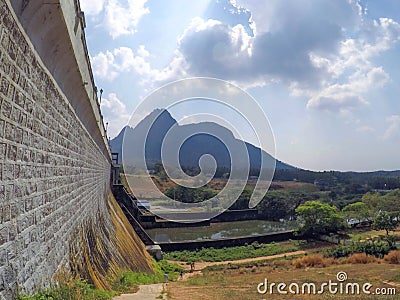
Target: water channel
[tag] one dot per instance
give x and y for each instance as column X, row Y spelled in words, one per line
column 218, row 231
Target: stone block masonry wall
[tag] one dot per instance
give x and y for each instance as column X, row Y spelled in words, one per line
column 53, row 176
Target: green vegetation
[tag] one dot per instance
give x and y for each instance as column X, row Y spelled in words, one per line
column 278, row 204
column 382, row 210
column 378, row 247
column 234, row 253
column 357, row 210
column 128, row 281
column 190, row 195
column 386, row 221
column 377, row 202
column 72, row 290
column 316, row 218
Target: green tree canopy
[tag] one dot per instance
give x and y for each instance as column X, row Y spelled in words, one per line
column 386, row 221
column 357, row 210
column 316, row 218
column 190, row 195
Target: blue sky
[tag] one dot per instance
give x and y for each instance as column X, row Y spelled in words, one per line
column 326, row 73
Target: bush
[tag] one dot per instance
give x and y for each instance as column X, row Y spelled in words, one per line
column 378, row 248
column 128, row 280
column 360, row 258
column 339, row 251
column 393, row 257
column 314, row 260
column 73, row 290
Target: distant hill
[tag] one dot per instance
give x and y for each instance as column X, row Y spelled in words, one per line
column 193, row 148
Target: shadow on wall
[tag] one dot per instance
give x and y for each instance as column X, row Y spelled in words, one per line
column 104, row 249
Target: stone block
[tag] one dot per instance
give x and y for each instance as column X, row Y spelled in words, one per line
column 8, row 171
column 9, row 192
column 4, row 83
column 2, row 125
column 9, row 131
column 3, row 235
column 5, row 213
column 6, row 109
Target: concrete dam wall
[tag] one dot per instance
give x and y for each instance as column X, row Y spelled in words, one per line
column 56, row 208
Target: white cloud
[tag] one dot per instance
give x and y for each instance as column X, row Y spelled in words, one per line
column 119, row 17
column 354, row 67
column 280, row 52
column 103, row 66
column 366, row 129
column 393, row 131
column 209, row 48
column 115, row 113
column 92, row 7
column 323, row 51
column 351, row 94
column 279, row 14
column 122, row 18
column 328, row 58
column 110, row 64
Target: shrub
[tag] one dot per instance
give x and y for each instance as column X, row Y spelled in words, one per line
column 360, row 258
column 339, row 251
column 377, row 248
column 314, row 260
column 129, row 280
column 73, row 290
column 393, row 257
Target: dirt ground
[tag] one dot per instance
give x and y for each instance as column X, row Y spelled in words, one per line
column 241, row 283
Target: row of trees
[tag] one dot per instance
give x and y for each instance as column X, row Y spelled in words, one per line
column 382, row 211
column 190, row 195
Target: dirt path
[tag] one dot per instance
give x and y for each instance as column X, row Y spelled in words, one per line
column 201, row 265
column 152, row 291
column 146, row 292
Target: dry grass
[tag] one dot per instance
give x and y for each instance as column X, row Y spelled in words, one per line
column 241, row 283
column 360, row 258
column 216, row 184
column 393, row 257
column 314, row 260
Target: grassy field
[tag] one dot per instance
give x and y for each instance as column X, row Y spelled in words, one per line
column 367, row 234
column 216, row 184
column 240, row 282
column 234, row 253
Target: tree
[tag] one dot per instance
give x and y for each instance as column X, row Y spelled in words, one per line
column 243, row 201
column 316, row 218
column 190, row 195
column 357, row 210
column 391, row 202
column 372, row 201
column 385, row 221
